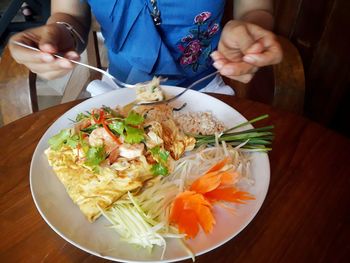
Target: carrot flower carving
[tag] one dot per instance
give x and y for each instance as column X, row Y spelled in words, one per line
column 192, row 209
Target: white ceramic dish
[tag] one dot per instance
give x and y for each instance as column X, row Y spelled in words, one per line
column 65, row 218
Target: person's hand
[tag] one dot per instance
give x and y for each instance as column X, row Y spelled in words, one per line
column 50, row 39
column 243, row 48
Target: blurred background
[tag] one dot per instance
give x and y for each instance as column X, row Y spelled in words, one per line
column 319, row 29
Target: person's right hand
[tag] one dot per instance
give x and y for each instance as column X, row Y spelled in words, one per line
column 50, row 39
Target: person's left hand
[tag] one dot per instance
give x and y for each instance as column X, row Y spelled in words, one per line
column 243, row 48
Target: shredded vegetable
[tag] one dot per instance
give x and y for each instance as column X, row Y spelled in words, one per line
column 138, row 219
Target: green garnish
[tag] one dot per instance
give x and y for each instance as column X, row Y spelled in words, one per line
column 134, row 118
column 82, row 116
column 111, row 111
column 159, row 169
column 117, row 126
column 161, row 156
column 134, row 135
column 90, row 128
column 57, row 141
column 125, row 128
column 157, row 151
column 256, row 139
column 73, row 141
column 94, row 156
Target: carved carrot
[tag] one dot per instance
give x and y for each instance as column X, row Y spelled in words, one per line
column 193, row 208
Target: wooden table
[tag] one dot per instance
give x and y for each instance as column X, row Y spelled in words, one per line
column 305, row 217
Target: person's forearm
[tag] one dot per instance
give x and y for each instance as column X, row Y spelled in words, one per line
column 259, row 12
column 74, row 12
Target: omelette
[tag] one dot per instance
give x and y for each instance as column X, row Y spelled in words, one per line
column 105, row 155
column 92, row 190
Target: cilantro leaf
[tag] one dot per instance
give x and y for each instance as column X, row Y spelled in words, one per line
column 73, row 141
column 117, row 126
column 134, row 135
column 134, row 118
column 59, row 139
column 94, row 156
column 163, row 154
column 155, row 150
column 159, row 169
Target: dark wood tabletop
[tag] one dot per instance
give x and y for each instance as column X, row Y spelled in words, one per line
column 305, row 217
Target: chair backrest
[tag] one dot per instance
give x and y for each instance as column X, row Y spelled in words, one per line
column 81, row 76
column 17, row 89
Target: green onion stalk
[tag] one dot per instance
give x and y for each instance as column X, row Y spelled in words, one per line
column 255, row 139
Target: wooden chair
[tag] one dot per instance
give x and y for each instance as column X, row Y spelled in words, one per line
column 17, row 90
column 282, row 85
column 41, row 8
column 81, row 76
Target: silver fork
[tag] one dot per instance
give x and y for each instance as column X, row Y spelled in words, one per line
column 117, row 81
column 120, row 83
column 181, row 93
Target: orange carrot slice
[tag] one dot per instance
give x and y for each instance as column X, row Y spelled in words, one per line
column 228, row 178
column 229, row 194
column 178, row 206
column 187, row 223
column 206, row 183
column 191, row 209
column 206, row 218
column 219, row 165
column 213, row 180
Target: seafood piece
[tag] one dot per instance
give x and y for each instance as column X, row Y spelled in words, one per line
column 100, row 137
column 131, row 151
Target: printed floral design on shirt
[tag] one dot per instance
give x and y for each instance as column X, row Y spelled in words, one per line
column 196, row 46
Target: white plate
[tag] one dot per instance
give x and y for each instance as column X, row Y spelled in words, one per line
column 65, row 218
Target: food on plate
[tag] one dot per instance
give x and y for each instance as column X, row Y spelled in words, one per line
column 105, row 155
column 155, row 173
column 150, row 92
column 203, row 123
column 193, row 207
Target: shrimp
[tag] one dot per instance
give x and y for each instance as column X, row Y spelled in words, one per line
column 100, row 137
column 131, row 151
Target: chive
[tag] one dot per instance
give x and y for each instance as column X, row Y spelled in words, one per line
column 248, row 122
column 254, row 139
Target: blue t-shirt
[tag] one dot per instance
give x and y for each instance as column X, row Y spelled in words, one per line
column 179, row 48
